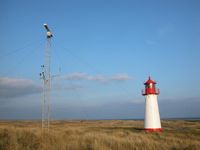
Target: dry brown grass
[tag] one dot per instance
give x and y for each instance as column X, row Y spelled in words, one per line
column 99, row 135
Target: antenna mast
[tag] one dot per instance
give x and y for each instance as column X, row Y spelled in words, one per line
column 46, row 77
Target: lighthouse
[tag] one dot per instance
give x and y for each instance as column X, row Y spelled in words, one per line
column 152, row 116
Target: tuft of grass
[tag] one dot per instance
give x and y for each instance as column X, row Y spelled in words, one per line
column 99, row 135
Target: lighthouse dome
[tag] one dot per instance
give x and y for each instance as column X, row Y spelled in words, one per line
column 149, row 81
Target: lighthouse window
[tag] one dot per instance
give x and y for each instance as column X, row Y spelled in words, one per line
column 150, row 85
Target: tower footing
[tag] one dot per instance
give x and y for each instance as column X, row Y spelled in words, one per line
column 153, row 129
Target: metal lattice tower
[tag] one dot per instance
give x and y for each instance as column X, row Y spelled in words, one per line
column 46, row 77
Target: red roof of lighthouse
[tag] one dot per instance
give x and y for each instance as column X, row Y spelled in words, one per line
column 150, row 81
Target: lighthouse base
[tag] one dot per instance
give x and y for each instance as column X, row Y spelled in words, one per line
column 153, row 129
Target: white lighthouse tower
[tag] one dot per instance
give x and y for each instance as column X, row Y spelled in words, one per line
column 152, row 116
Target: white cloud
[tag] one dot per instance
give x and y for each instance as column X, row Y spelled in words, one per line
column 100, row 78
column 151, row 42
column 166, row 29
column 13, row 87
column 75, row 76
column 72, row 87
column 121, row 77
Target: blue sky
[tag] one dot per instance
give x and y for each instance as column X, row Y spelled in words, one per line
column 103, row 51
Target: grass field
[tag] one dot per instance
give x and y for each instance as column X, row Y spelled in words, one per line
column 99, row 135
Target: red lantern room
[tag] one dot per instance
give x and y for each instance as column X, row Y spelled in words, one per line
column 150, row 87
